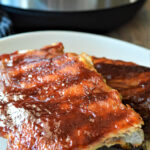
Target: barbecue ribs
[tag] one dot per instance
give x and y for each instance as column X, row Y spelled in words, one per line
column 132, row 81
column 60, row 102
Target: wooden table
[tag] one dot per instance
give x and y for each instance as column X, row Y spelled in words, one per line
column 136, row 31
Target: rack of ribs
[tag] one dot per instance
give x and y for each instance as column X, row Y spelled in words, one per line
column 58, row 101
column 132, row 81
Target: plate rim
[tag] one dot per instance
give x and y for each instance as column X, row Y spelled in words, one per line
column 18, row 35
column 97, row 36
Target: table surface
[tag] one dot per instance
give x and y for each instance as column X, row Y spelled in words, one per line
column 136, row 31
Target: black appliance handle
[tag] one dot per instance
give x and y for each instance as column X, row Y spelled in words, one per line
column 6, row 27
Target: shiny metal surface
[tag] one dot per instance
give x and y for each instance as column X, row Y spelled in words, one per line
column 65, row 5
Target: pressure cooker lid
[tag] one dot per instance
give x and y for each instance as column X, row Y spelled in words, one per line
column 65, row 5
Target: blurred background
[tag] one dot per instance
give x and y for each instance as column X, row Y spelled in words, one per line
column 136, row 30
column 128, row 20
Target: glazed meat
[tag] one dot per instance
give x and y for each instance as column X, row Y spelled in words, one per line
column 132, row 81
column 60, row 102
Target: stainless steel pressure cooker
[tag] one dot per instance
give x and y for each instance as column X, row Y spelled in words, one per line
column 88, row 15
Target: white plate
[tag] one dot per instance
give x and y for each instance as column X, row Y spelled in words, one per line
column 77, row 42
